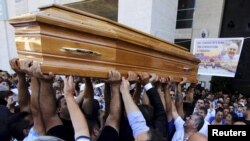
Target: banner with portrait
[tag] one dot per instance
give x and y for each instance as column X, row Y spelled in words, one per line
column 219, row 56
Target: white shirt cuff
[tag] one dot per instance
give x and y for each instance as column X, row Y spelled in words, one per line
column 148, row 86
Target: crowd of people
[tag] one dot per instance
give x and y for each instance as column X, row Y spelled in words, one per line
column 140, row 106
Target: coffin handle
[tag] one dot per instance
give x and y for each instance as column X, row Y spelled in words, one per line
column 187, row 69
column 81, row 51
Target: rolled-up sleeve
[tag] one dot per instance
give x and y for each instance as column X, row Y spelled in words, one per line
column 137, row 123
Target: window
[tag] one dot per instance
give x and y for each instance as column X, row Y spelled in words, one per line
column 185, row 14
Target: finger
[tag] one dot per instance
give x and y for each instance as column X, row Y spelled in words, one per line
column 65, row 80
column 70, row 79
column 116, row 74
column 123, row 78
column 109, row 74
column 119, row 75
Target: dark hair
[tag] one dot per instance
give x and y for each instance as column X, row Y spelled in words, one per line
column 219, row 103
column 155, row 135
column 8, row 75
column 234, row 117
column 219, row 110
column 16, row 124
column 204, row 109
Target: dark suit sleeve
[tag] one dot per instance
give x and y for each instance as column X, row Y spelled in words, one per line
column 160, row 118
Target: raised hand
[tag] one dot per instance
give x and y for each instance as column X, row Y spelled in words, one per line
column 25, row 66
column 184, row 80
column 69, row 88
column 154, row 78
column 36, row 69
column 124, row 87
column 14, row 65
column 132, row 77
column 163, row 80
column 144, row 77
column 114, row 76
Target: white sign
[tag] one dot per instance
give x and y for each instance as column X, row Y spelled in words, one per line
column 219, row 56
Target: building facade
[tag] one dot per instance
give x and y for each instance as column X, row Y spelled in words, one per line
column 175, row 21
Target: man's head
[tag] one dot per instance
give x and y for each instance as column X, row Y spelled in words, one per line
column 151, row 135
column 194, row 122
column 232, row 50
column 62, row 108
column 219, row 114
column 231, row 118
column 239, row 123
column 5, row 75
column 200, row 103
column 219, row 105
column 47, row 138
column 226, row 111
column 231, row 108
column 202, row 111
column 172, row 94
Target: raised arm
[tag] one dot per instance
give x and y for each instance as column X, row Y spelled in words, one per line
column 160, row 119
column 179, row 98
column 168, row 99
column 190, row 94
column 152, row 94
column 135, row 117
column 114, row 116
column 23, row 92
column 160, row 86
column 28, row 67
column 107, row 99
column 79, row 98
column 77, row 117
column 88, row 95
column 133, row 79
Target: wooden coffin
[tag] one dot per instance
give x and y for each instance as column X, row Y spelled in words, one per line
column 71, row 42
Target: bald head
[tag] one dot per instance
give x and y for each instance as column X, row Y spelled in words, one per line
column 239, row 123
column 197, row 137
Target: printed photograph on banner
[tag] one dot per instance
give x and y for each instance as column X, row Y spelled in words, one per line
column 219, row 56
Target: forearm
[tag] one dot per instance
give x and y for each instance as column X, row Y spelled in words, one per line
column 107, row 99
column 137, row 93
column 161, row 94
column 129, row 104
column 114, row 116
column 190, row 96
column 79, row 98
column 23, row 93
column 35, row 89
column 78, row 120
column 174, row 111
column 145, row 99
column 47, row 97
column 168, row 99
column 156, row 102
column 88, row 97
column 179, row 104
column 115, row 103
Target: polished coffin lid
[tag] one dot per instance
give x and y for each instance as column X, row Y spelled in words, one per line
column 72, row 42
